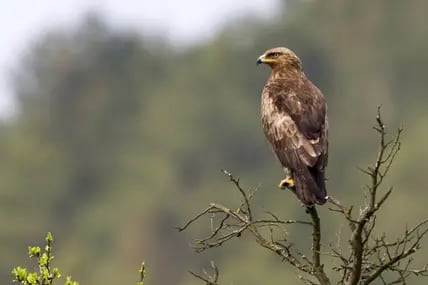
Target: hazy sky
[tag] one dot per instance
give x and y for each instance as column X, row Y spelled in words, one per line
column 184, row 21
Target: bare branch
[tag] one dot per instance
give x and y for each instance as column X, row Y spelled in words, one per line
column 370, row 256
column 209, row 279
column 317, row 267
column 388, row 255
column 192, row 220
column 246, row 201
column 347, row 212
column 233, row 223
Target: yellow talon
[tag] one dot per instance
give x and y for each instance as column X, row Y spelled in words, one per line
column 288, row 182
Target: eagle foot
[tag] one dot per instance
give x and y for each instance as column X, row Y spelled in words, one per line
column 287, row 183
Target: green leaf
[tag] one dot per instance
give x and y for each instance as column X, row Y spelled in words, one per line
column 33, row 278
column 49, row 238
column 56, row 273
column 44, row 259
column 45, row 273
column 20, row 273
column 69, row 281
column 34, row 251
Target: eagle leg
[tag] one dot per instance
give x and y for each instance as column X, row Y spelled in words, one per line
column 287, row 183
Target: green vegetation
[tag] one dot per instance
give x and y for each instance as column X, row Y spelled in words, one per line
column 47, row 274
column 120, row 137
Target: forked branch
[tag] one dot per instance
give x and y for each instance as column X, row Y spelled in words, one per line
column 229, row 223
column 209, row 279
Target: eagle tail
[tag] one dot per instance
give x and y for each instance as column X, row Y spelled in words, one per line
column 319, row 178
column 310, row 187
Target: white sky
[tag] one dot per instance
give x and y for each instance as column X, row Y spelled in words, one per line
column 185, row 21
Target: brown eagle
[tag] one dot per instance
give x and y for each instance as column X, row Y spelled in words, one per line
column 294, row 119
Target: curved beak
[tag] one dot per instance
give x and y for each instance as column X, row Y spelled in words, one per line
column 261, row 59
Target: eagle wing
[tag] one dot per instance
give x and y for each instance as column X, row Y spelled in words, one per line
column 295, row 123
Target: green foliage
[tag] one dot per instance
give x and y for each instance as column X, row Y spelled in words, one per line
column 46, row 274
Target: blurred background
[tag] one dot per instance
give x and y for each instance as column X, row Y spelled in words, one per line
column 118, row 115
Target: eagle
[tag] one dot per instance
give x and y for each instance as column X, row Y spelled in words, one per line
column 294, row 121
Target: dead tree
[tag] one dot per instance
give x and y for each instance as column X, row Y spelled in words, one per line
column 368, row 257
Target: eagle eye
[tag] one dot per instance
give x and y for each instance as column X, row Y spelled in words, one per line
column 274, row 54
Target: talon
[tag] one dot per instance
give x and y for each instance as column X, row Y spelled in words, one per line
column 288, row 182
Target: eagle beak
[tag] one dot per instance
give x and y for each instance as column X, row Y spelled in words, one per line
column 261, row 59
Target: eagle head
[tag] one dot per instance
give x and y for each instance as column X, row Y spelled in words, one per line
column 280, row 57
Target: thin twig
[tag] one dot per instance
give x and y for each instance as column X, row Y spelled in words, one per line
column 209, row 279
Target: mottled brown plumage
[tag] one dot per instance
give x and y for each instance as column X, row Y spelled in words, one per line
column 294, row 120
